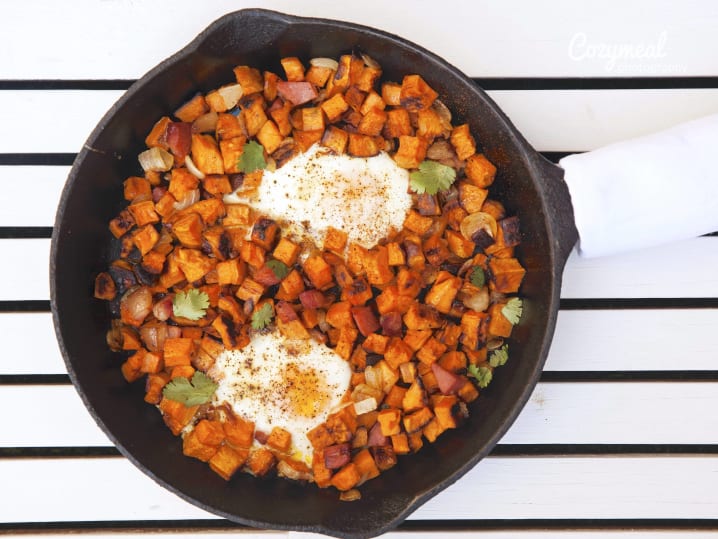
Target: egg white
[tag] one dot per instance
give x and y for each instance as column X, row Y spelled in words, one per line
column 277, row 382
column 315, row 190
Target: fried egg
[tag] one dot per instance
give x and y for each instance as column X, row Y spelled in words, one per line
column 276, row 382
column 315, row 190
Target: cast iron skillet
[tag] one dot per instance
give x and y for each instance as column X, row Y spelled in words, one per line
column 529, row 186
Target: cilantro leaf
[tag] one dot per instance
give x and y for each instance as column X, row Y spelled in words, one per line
column 513, row 310
column 499, row 357
column 198, row 391
column 262, row 317
column 279, row 268
column 191, row 304
column 477, row 277
column 432, row 177
column 483, row 375
column 252, row 158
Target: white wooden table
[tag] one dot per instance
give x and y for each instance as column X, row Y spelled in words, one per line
column 622, row 431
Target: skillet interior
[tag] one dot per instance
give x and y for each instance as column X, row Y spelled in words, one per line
column 81, row 248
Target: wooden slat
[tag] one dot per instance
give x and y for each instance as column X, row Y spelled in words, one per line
column 579, row 120
column 643, row 274
column 648, row 340
column 30, row 194
column 617, row 412
column 502, row 43
column 497, row 488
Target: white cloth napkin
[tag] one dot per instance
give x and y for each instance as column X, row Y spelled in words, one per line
column 646, row 191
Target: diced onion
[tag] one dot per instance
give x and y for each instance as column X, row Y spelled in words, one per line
column 329, row 63
column 189, row 199
column 364, row 406
column 370, row 62
column 193, row 168
column 205, row 123
column 231, row 94
column 478, row 302
column 156, row 160
column 475, row 221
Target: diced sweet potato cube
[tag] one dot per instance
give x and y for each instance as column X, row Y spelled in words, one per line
column 182, row 182
column 265, row 233
column 156, row 138
column 345, row 342
column 143, row 213
column 135, row 186
column 366, row 465
column 335, row 139
column 411, row 152
column 346, row 478
column 463, row 142
column 232, row 271
column 507, row 274
column 442, row 294
column 154, row 386
column 390, row 421
column 398, row 124
column 391, row 93
column 250, row 289
column 472, row 328
column 193, row 447
column 229, row 126
column 305, row 139
column 372, row 122
column 362, row 145
column 417, row 420
column 312, row 118
column 194, row 264
column 433, row 430
column 468, row 393
column 192, row 109
column 417, row 223
column 420, row 316
column 446, row 411
column 397, row 352
column 472, row 198
column 355, row 98
column 395, row 254
column 261, row 461
column 286, row 251
column 239, row 432
column 145, row 238
column 178, row 351
column 188, row 230
column 415, row 398
column 368, row 77
column 252, row 254
column 395, row 396
column 400, row 443
column 226, row 461
column 431, row 351
column 320, row 437
column 376, row 266
column 415, row 338
column 293, row 68
column 318, row 76
column 479, row 170
column 499, row 325
column 372, row 101
column 318, row 272
column 209, row 432
column 270, row 85
column 253, row 111
column 291, row 286
column 458, row 244
column 121, row 224
column 334, row 107
column 132, row 367
column 176, row 415
column 429, row 124
column 182, row 371
column 152, row 363
column 206, row 155
column 416, row 94
column 269, row 136
column 231, row 150
column 250, row 79
column 280, row 114
column 280, row 439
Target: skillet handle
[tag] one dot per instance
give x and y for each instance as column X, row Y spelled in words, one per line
column 558, row 200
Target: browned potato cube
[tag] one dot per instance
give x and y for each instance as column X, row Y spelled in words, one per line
column 416, row 94
column 250, row 79
column 269, row 136
column 253, row 111
column 373, row 101
column 229, row 126
column 232, row 150
column 362, row 145
column 192, row 109
column 412, row 151
column 293, row 68
column 372, row 123
column 312, row 118
column 391, row 93
column 334, row 107
column 479, row 170
column 398, row 124
column 463, row 142
column 206, row 155
column 336, row 139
